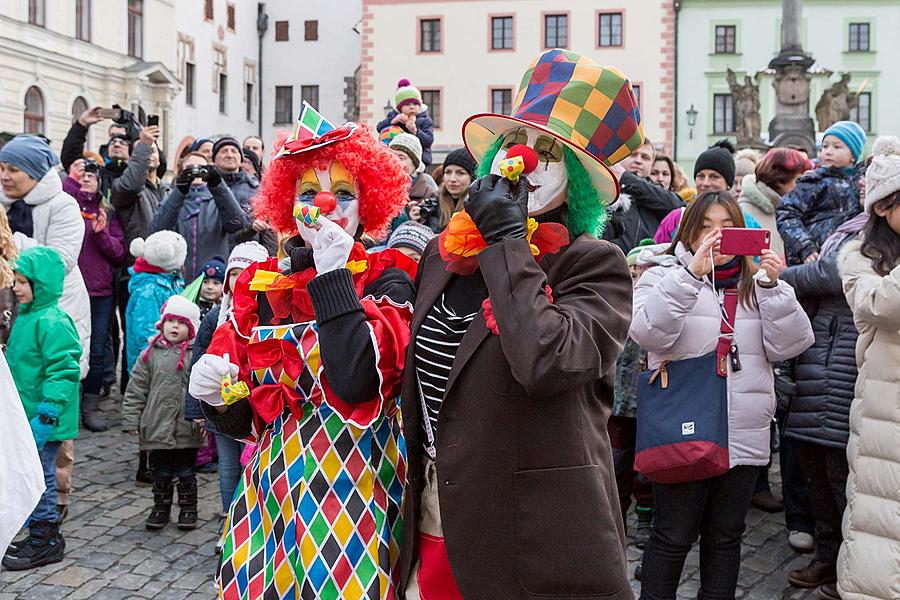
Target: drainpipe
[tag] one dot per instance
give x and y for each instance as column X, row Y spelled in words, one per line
column 675, row 112
column 262, row 25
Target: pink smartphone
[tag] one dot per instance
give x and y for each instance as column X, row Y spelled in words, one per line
column 740, row 241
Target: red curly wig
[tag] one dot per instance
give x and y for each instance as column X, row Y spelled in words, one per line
column 382, row 181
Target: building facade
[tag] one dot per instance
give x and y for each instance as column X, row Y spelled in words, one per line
column 744, row 35
column 312, row 53
column 466, row 56
column 57, row 59
column 217, row 60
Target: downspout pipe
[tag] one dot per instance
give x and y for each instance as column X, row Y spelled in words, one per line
column 262, row 25
column 675, row 113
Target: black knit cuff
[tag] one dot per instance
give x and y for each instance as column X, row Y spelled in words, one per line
column 235, row 422
column 333, row 294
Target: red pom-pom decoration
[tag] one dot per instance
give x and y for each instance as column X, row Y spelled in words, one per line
column 528, row 155
column 325, row 201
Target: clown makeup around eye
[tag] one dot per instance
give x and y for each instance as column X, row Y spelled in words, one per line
column 333, row 191
column 547, row 183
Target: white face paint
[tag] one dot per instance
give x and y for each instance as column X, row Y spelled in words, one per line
column 337, row 180
column 547, row 183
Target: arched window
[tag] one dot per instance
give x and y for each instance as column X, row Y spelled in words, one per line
column 79, row 105
column 34, row 111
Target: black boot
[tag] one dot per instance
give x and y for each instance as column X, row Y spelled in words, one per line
column 644, row 521
column 90, row 413
column 162, row 504
column 187, row 502
column 44, row 546
column 144, row 477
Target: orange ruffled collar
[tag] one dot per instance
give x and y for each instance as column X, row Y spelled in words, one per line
column 461, row 242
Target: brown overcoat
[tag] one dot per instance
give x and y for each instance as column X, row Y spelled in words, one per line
column 526, row 482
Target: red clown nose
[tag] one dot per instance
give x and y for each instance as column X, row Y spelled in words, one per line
column 529, row 156
column 325, row 201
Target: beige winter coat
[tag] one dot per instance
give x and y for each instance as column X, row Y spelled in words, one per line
column 759, row 201
column 869, row 560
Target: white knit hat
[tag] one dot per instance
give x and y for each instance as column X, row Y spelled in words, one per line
column 411, row 146
column 164, row 249
column 243, row 256
column 180, row 308
column 883, row 175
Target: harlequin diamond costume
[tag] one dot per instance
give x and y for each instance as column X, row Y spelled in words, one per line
column 321, row 347
column 521, row 313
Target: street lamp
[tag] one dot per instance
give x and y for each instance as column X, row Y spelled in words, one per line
column 691, row 120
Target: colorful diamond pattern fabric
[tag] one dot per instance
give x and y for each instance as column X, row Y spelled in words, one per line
column 318, row 511
column 591, row 105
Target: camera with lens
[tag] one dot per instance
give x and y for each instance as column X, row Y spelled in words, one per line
column 125, row 118
column 201, row 171
column 429, row 208
column 91, row 166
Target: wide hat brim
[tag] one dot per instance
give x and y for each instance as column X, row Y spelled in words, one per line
column 481, row 131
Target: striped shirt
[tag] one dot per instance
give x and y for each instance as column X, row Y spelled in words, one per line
column 437, row 342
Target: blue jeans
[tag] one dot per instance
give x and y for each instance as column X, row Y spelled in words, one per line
column 229, row 467
column 46, row 506
column 102, row 308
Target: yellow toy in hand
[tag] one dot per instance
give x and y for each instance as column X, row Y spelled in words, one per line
column 512, row 167
column 231, row 393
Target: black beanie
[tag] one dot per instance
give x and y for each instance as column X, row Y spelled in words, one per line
column 225, row 141
column 717, row 158
column 461, row 158
column 254, row 160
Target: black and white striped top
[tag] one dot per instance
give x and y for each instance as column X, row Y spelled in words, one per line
column 437, row 341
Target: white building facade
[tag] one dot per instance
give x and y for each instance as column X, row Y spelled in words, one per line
column 57, row 59
column 860, row 38
column 312, row 52
column 217, row 60
column 467, row 56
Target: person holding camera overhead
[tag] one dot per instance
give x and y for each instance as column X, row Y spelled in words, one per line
column 203, row 210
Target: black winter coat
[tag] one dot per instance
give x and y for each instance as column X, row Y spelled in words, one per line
column 638, row 212
column 825, row 373
column 424, row 131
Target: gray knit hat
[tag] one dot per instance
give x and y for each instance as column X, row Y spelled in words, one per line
column 411, row 235
column 883, row 175
column 409, row 145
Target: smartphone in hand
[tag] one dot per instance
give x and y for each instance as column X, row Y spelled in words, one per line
column 743, row 241
column 111, row 113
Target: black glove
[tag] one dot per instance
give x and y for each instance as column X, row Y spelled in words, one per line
column 499, row 208
column 213, row 177
column 183, row 183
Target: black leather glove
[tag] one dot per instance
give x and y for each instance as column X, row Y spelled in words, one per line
column 183, row 183
column 499, row 208
column 213, row 177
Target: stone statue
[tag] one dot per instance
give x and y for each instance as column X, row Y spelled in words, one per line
column 746, row 102
column 835, row 104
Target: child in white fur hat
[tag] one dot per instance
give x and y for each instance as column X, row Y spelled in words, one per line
column 155, row 276
column 154, row 408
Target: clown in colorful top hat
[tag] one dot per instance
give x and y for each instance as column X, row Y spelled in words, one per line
column 578, row 118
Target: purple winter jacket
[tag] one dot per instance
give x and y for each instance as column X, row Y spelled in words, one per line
column 100, row 252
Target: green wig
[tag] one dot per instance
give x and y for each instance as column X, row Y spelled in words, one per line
column 588, row 213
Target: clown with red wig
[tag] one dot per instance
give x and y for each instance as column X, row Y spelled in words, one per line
column 319, row 348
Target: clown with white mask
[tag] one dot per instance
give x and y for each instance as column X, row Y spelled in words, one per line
column 520, row 316
column 308, row 366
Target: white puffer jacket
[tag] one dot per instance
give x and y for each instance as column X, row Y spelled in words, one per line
column 58, row 224
column 869, row 561
column 677, row 317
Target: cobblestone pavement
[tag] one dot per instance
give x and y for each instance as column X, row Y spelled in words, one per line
column 110, row 556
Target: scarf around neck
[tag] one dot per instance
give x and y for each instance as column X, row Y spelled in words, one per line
column 728, row 275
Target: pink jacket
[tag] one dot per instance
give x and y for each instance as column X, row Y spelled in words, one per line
column 677, row 316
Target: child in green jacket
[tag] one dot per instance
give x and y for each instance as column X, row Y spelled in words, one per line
column 43, row 354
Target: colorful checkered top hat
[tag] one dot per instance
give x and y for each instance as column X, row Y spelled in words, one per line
column 589, row 108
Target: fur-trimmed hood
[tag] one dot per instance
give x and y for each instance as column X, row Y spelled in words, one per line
column 759, row 194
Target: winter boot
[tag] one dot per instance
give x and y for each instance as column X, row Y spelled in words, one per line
column 644, row 521
column 144, row 477
column 44, row 546
column 162, row 504
column 90, row 413
column 187, row 503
